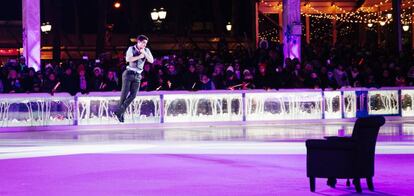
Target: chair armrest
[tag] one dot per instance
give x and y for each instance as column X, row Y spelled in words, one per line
column 337, row 138
column 330, row 144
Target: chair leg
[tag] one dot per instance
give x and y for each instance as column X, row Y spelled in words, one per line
column 357, row 184
column 312, row 183
column 348, row 183
column 370, row 184
column 331, row 182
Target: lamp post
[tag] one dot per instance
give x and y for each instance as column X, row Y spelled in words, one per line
column 46, row 27
column 158, row 16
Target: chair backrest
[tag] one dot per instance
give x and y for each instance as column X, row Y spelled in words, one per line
column 365, row 135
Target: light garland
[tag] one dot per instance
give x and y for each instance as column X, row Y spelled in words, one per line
column 363, row 14
column 374, row 14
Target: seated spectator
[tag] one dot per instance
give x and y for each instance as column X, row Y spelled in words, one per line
column 371, row 82
column 400, row 80
column 341, row 77
column 217, row 76
column 231, row 82
column 38, row 82
column 355, row 77
column 262, row 78
column 148, row 78
column 12, row 84
column 237, row 69
column 329, row 81
column 190, row 78
column 97, row 80
column 69, row 82
column 84, row 85
column 173, row 77
column 312, row 81
column 22, row 64
column 248, row 80
column 206, row 83
column 161, row 83
column 52, row 85
column 28, row 79
column 111, row 82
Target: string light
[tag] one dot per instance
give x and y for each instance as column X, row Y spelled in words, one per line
column 379, row 13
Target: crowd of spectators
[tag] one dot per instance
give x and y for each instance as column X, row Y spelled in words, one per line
column 322, row 66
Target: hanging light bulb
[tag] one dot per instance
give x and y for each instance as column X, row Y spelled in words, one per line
column 382, row 23
column 389, row 15
column 370, row 25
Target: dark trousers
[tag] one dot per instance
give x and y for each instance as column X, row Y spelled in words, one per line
column 130, row 87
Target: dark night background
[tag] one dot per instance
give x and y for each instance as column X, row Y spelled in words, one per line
column 134, row 15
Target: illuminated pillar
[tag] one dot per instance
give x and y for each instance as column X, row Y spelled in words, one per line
column 31, row 32
column 292, row 29
column 307, row 29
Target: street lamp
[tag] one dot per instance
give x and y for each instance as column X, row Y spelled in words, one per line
column 154, row 14
column 406, row 27
column 158, row 16
column 228, row 26
column 46, row 27
column 162, row 14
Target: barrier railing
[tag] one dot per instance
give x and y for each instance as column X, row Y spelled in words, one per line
column 204, row 106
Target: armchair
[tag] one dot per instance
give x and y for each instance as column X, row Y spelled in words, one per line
column 345, row 157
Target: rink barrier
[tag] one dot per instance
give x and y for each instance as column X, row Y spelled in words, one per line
column 96, row 108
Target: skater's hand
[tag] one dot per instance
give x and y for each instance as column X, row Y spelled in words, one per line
column 141, row 56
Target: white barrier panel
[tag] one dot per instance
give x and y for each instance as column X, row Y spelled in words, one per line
column 283, row 105
column 383, row 102
column 203, row 107
column 99, row 108
column 350, row 104
column 407, row 100
column 333, row 104
column 36, row 110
